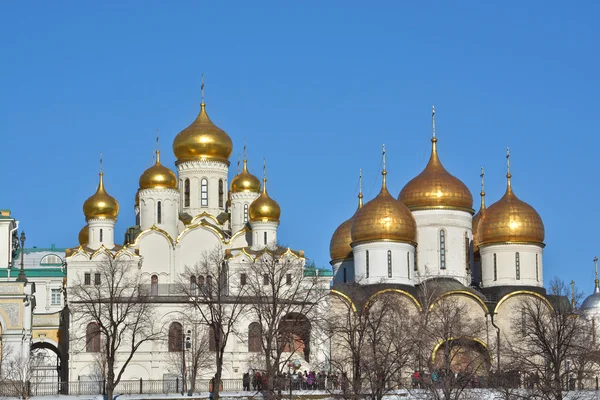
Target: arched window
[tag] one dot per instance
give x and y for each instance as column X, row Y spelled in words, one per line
column 254, row 337
column 245, row 212
column 92, row 338
column 442, row 249
column 193, row 285
column 201, row 281
column 159, row 213
column 204, row 192
column 265, row 237
column 523, row 320
column 495, row 268
column 408, row 263
column 154, row 285
column 517, row 266
column 101, row 236
column 537, row 269
column 366, row 262
column 51, row 259
column 209, row 284
column 175, row 337
column 389, row 263
column 186, row 193
column 415, row 260
column 221, row 193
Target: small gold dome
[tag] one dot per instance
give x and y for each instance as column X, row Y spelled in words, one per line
column 510, row 220
column 245, row 181
column 384, row 219
column 264, row 208
column 436, row 188
column 339, row 247
column 101, row 205
column 84, row 236
column 158, row 176
column 202, row 140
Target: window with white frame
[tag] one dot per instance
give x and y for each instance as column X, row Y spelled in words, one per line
column 204, row 192
column 442, row 249
column 389, row 259
column 55, row 297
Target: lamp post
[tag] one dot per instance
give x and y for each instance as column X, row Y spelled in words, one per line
column 21, row 277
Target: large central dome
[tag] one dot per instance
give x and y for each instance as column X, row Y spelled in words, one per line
column 202, row 140
column 436, row 188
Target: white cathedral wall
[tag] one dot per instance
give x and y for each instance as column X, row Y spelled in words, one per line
column 343, row 271
column 158, row 255
column 238, row 201
column 101, row 233
column 195, row 171
column 531, row 270
column 402, row 263
column 456, row 225
column 264, row 233
column 169, row 199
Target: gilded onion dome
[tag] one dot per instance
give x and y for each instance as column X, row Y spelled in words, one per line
column 510, row 220
column 84, row 236
column 202, row 140
column 101, row 205
column 245, row 181
column 436, row 188
column 339, row 247
column 264, row 208
column 477, row 217
column 384, row 219
column 158, row 176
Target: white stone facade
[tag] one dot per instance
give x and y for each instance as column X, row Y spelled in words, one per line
column 512, row 265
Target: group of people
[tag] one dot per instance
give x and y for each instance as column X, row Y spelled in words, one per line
column 420, row 379
column 307, row 380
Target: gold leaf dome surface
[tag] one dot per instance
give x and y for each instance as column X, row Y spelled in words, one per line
column 84, row 236
column 436, row 188
column 264, row 208
column 202, row 140
column 384, row 218
column 510, row 220
column 245, row 181
column 339, row 246
column 158, row 176
column 101, row 205
column 475, row 227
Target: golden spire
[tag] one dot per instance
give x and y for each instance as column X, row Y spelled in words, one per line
column 265, row 175
column 434, row 155
column 384, row 172
column 238, row 165
column 508, row 175
column 100, row 165
column 482, row 194
column 596, row 282
column 360, row 195
column 246, row 158
column 433, row 121
column 572, row 293
column 202, row 90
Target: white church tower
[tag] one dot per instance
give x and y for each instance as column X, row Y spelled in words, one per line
column 245, row 188
column 264, row 213
column 101, row 211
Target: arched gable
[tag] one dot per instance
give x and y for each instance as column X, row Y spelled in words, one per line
column 398, row 291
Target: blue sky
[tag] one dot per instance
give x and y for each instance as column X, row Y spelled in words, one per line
column 315, row 87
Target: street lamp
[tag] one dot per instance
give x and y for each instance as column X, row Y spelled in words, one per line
column 21, row 277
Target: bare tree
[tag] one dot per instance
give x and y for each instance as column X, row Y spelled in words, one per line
column 114, row 316
column 18, row 374
column 289, row 304
column 548, row 340
column 218, row 301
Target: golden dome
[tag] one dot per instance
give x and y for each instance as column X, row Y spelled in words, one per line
column 510, row 220
column 339, row 247
column 245, row 181
column 384, row 219
column 264, row 208
column 84, row 236
column 436, row 188
column 158, row 176
column 202, row 140
column 101, row 205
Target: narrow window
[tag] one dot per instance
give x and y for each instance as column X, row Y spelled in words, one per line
column 97, row 279
column 201, row 281
column 265, row 279
column 467, row 255
column 204, row 192
column 254, row 337
column 159, row 213
column 193, row 285
column 389, row 263
column 55, row 297
column 416, row 266
column 523, row 320
column 87, row 278
column 154, row 285
column 408, row 264
column 186, row 193
column 175, row 337
column 265, row 238
column 367, row 260
column 243, row 279
column 345, row 275
column 518, row 266
column 495, row 268
column 442, row 249
column 288, row 279
column 92, row 338
column 537, row 269
column 101, row 236
column 221, row 193
column 209, row 282
column 245, row 213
